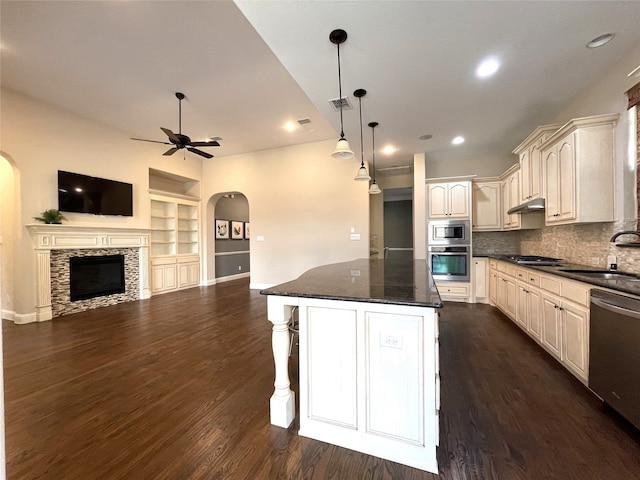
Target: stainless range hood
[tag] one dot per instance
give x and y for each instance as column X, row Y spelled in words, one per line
column 532, row 206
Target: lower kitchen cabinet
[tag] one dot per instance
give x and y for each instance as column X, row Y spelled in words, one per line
column 552, row 310
column 551, row 325
column 575, row 333
column 480, row 280
column 454, row 291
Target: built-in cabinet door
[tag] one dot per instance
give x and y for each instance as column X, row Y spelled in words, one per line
column 493, row 287
column 552, row 180
column 567, row 165
column 437, row 195
column 510, row 297
column 522, row 313
column 575, row 323
column 480, row 276
column 551, row 331
column 459, row 200
column 534, row 181
column 525, row 176
column 534, row 307
column 487, row 213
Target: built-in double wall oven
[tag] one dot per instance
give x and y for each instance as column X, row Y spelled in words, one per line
column 449, row 254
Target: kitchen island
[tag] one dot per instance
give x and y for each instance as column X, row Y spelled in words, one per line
column 368, row 351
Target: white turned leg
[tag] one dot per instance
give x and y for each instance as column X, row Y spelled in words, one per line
column 282, row 403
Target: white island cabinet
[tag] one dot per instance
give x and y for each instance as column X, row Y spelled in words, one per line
column 369, row 371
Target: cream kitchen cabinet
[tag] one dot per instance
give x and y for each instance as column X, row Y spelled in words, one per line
column 511, row 198
column 578, row 166
column 449, row 199
column 530, row 156
column 480, row 280
column 553, row 310
column 487, row 206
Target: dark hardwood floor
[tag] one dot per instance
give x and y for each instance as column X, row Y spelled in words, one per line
column 178, row 387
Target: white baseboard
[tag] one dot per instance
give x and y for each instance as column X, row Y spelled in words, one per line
column 8, row 315
column 25, row 318
column 229, row 278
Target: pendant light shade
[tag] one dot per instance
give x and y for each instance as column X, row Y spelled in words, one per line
column 374, row 189
column 362, row 171
column 342, row 150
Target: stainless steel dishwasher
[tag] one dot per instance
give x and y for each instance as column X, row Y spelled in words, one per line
column 614, row 352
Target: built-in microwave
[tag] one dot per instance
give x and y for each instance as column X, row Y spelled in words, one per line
column 449, row 232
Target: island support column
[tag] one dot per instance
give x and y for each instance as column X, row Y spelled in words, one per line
column 282, row 403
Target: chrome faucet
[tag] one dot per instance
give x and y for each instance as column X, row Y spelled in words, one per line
column 624, row 232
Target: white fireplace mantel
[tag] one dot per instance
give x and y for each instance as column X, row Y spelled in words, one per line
column 60, row 237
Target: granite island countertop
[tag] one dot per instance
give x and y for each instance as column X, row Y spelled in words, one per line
column 389, row 281
column 630, row 285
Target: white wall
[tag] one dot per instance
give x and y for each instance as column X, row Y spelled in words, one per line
column 303, row 202
column 607, row 95
column 7, row 236
column 40, row 139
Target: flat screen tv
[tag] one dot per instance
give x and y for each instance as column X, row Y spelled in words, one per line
column 84, row 194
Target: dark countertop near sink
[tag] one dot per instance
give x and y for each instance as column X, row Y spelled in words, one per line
column 631, row 286
column 390, row 281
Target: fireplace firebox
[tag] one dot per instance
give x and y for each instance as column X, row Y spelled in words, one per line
column 96, row 276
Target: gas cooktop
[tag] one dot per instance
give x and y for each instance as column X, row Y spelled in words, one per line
column 535, row 260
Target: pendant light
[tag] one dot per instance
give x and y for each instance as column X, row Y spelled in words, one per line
column 362, row 171
column 374, row 188
column 342, row 150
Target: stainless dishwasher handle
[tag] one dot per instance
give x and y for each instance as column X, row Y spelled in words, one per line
column 615, row 308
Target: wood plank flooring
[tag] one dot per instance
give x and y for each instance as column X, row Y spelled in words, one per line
column 178, row 387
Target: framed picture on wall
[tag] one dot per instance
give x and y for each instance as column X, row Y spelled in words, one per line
column 222, row 229
column 237, row 230
column 247, row 235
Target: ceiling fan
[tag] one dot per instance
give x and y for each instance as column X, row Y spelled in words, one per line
column 180, row 141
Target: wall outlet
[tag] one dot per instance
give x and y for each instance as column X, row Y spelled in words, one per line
column 390, row 340
column 355, row 236
column 612, row 262
column 239, row 267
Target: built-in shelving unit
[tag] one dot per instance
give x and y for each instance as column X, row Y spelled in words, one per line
column 175, row 232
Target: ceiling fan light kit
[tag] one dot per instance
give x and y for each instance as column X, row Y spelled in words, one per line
column 342, row 150
column 180, row 141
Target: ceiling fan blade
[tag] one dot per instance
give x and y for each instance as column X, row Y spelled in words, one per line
column 171, row 151
column 212, row 143
column 200, row 152
column 172, row 136
column 153, row 141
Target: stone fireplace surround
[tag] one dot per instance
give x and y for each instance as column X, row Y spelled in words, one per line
column 55, row 244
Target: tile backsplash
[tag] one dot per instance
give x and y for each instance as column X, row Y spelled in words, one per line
column 585, row 244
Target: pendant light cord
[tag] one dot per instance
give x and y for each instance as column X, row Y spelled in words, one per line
column 361, row 140
column 340, row 92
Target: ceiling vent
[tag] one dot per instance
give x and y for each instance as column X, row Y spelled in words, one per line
column 401, row 170
column 336, row 102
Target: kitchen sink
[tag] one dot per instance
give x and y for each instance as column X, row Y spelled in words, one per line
column 604, row 274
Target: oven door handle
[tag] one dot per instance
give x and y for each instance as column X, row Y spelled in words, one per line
column 615, row 308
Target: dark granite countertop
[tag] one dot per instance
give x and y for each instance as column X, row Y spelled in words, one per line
column 630, row 285
column 390, row 281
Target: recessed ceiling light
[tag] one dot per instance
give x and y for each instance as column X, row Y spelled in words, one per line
column 601, row 40
column 487, row 67
column 425, row 137
column 290, row 126
column 389, row 149
column 457, row 140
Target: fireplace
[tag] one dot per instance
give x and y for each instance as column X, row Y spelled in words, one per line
column 96, row 276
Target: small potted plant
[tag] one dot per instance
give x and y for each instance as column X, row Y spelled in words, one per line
column 50, row 216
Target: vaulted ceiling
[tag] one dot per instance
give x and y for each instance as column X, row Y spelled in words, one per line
column 249, row 67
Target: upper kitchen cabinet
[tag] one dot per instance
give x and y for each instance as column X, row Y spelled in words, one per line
column 578, row 168
column 530, row 154
column 449, row 199
column 511, row 198
column 487, row 205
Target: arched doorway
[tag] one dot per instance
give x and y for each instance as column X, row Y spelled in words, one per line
column 8, row 221
column 228, row 233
